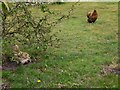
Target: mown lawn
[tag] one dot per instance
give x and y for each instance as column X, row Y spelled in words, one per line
column 83, row 51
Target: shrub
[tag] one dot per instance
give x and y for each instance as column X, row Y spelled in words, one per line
column 31, row 32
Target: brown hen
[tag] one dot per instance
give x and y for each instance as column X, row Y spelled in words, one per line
column 92, row 16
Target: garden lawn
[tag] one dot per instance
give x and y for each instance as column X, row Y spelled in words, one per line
column 84, row 50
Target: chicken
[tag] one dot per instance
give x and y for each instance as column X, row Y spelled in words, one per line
column 22, row 57
column 92, row 16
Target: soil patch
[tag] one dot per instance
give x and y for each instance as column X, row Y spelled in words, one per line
column 5, row 86
column 110, row 69
column 9, row 65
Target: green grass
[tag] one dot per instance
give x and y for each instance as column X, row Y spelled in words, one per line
column 84, row 49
